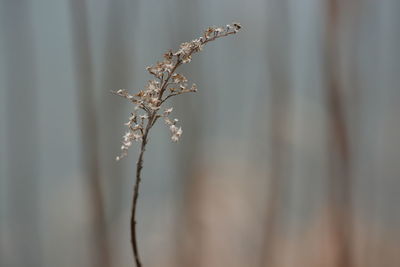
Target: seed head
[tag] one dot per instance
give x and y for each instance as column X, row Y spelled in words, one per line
column 166, row 84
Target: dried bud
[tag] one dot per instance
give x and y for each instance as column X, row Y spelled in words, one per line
column 168, row 121
column 179, row 78
column 176, row 133
column 167, row 111
column 208, row 32
column 186, row 59
column 219, row 30
column 237, row 26
column 168, row 55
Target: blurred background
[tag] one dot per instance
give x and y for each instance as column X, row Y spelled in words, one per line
column 290, row 152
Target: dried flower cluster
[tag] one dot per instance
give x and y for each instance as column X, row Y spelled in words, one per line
column 167, row 83
column 148, row 103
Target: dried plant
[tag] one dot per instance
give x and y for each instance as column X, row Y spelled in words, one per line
column 149, row 103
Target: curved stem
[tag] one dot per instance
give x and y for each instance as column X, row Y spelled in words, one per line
column 139, row 164
column 144, row 103
column 139, row 167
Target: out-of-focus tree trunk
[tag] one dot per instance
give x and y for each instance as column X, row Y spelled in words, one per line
column 340, row 183
column 117, row 73
column 23, row 211
column 89, row 131
column 277, row 52
column 190, row 236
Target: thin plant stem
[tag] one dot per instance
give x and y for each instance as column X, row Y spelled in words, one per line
column 139, row 167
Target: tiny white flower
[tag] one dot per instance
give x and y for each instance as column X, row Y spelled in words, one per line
column 168, row 111
column 167, row 121
column 176, row 133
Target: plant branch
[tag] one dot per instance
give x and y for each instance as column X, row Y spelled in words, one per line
column 175, row 94
column 150, row 101
column 165, row 84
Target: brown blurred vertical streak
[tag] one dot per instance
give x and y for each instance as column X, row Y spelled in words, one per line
column 340, row 190
column 88, row 127
column 275, row 179
column 23, row 213
column 190, row 240
column 277, row 53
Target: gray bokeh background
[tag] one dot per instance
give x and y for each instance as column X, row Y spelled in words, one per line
column 291, row 140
